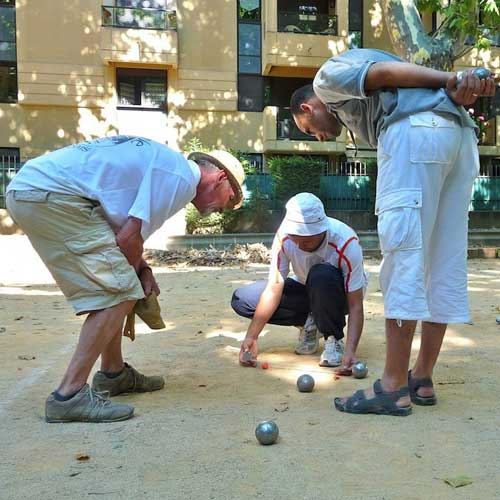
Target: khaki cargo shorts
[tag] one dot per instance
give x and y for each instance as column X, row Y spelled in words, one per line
column 78, row 246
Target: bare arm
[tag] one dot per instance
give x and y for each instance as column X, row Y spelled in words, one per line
column 130, row 241
column 354, row 326
column 404, row 75
column 268, row 303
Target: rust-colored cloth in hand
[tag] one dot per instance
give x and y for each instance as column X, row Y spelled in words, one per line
column 148, row 309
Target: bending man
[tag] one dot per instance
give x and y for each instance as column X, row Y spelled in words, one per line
column 87, row 209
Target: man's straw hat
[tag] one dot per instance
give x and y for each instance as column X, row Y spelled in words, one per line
column 231, row 165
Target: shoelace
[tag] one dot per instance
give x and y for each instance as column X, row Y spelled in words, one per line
column 99, row 399
column 334, row 347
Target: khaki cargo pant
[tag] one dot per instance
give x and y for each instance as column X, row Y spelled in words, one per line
column 78, row 246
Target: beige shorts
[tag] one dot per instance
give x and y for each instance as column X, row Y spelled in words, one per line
column 78, row 246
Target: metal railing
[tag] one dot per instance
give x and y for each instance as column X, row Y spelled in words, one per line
column 309, row 23
column 139, row 18
column 9, row 166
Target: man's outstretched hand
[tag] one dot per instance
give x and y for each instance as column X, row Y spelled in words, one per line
column 470, row 88
column 249, row 346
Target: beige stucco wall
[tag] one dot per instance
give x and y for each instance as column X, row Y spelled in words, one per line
column 67, row 63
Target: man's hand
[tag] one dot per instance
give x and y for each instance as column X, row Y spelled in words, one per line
column 130, row 241
column 348, row 359
column 148, row 281
column 470, row 88
column 249, row 345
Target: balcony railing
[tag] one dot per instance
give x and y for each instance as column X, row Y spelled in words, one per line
column 315, row 23
column 139, row 18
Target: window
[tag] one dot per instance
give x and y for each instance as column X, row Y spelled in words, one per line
column 8, row 59
column 251, row 92
column 249, row 37
column 355, row 38
column 249, row 48
column 141, row 88
column 255, row 162
column 250, row 88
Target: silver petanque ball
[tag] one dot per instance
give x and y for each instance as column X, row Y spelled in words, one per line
column 481, row 73
column 305, row 383
column 359, row 370
column 267, row 432
column 498, row 320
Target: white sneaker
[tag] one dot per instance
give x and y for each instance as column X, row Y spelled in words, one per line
column 308, row 341
column 334, row 350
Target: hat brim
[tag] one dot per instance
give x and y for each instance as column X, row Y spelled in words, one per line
column 238, row 191
column 303, row 229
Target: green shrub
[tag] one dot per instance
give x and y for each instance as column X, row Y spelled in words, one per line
column 196, row 224
column 295, row 174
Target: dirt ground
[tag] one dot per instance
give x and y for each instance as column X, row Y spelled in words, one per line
column 195, row 439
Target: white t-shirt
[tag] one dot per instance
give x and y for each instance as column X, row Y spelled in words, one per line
column 128, row 176
column 340, row 248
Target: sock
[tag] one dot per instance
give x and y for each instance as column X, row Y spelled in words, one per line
column 59, row 397
column 113, row 374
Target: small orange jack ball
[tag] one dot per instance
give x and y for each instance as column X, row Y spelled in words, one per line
column 265, row 365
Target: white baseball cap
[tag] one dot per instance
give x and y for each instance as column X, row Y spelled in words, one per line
column 305, row 215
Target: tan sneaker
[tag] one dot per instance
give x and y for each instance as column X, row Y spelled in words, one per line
column 130, row 380
column 86, row 405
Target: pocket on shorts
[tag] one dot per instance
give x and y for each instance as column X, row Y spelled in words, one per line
column 433, row 138
column 99, row 259
column 399, row 220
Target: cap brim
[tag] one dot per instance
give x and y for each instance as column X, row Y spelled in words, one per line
column 302, row 229
column 238, row 191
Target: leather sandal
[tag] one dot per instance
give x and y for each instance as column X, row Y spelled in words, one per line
column 414, row 384
column 383, row 403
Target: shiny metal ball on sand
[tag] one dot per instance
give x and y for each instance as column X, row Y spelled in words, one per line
column 267, row 432
column 498, row 320
column 359, row 370
column 305, row 383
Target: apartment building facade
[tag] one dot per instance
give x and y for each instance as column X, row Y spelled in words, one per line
column 221, row 71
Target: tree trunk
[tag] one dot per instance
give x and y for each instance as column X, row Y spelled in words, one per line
column 411, row 42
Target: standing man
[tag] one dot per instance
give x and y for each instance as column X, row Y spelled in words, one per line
column 427, row 162
column 87, row 209
column 328, row 283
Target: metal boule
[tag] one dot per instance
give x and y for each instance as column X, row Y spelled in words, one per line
column 481, row 73
column 305, row 383
column 498, row 320
column 247, row 357
column 267, row 432
column 359, row 370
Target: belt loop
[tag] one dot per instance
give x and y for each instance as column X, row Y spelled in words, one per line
column 399, row 322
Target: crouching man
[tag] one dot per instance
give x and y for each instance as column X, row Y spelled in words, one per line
column 328, row 283
column 87, row 210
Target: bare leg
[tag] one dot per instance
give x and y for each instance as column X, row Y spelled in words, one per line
column 430, row 346
column 97, row 332
column 111, row 356
column 397, row 359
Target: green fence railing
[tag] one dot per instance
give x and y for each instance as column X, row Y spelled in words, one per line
column 346, row 192
column 485, row 194
column 9, row 166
